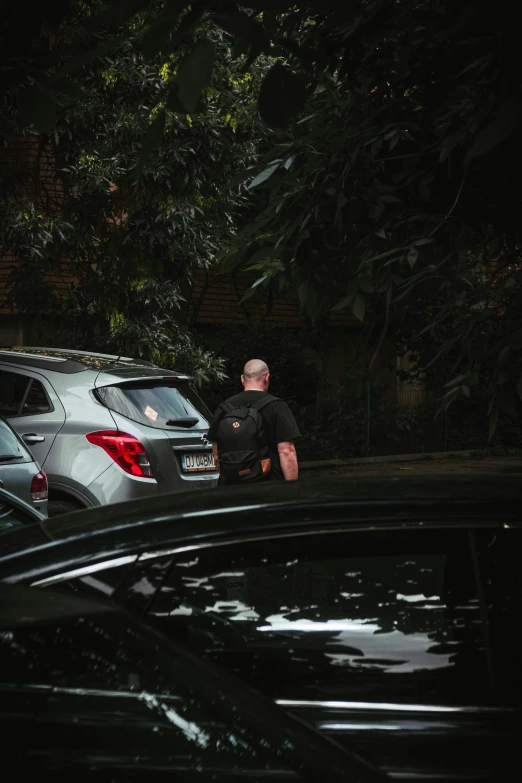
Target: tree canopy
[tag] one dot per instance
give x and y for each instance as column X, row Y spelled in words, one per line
column 132, row 228
column 389, row 179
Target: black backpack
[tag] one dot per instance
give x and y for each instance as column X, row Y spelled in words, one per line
column 244, row 454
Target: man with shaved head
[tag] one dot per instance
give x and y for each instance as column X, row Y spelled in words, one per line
column 253, row 432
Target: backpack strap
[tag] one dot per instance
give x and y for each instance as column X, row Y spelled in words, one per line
column 226, row 406
column 263, row 402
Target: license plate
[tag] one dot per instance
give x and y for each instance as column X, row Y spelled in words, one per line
column 197, row 461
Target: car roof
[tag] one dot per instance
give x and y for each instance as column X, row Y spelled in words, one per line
column 69, row 362
column 276, row 508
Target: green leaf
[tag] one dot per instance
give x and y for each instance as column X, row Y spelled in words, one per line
column 230, row 261
column 37, row 107
column 253, row 289
column 309, row 299
column 342, row 304
column 493, row 419
column 404, row 293
column 423, row 241
column 412, row 256
column 263, row 176
column 368, row 286
column 281, row 97
column 455, row 381
column 381, row 233
column 359, row 307
column 466, row 391
column 394, row 252
column 193, row 76
column 270, row 23
column 503, row 357
column 451, row 393
column 491, row 403
column 506, row 121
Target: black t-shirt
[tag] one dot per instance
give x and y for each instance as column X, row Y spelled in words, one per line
column 278, row 422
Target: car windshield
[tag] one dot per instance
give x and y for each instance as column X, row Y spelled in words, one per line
column 156, row 403
column 11, row 447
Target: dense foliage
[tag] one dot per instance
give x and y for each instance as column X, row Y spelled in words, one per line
column 132, row 229
column 392, row 181
column 396, row 191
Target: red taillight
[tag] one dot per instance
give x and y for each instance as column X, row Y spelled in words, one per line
column 125, row 450
column 39, row 488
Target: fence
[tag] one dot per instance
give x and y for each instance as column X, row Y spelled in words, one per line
column 411, row 396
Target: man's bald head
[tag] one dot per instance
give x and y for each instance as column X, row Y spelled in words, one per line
column 256, row 375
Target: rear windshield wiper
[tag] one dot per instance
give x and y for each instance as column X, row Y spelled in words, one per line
column 9, row 457
column 188, row 421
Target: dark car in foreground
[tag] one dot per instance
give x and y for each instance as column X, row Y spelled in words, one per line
column 383, row 611
column 88, row 693
column 15, row 512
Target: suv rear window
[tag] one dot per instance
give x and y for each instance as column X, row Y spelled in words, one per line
column 157, row 404
column 12, row 448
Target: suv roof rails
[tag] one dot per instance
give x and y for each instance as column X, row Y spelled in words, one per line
column 66, row 360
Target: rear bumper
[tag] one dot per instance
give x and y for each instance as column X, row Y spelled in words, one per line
column 115, row 486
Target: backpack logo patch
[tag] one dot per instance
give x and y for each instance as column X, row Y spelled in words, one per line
column 235, row 425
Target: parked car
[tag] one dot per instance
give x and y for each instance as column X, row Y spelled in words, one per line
column 89, row 693
column 15, row 512
column 383, row 611
column 20, row 473
column 106, row 428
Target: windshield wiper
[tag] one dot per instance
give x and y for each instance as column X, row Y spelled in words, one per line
column 9, row 457
column 188, row 421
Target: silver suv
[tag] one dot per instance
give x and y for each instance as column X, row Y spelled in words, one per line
column 106, row 428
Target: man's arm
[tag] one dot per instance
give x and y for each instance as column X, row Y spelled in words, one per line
column 288, row 459
column 215, row 452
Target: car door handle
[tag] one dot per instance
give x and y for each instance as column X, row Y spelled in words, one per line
column 32, row 437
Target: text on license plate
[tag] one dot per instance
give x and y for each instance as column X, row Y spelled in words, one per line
column 197, row 461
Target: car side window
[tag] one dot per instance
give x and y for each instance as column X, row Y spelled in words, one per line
column 36, row 400
column 132, row 585
column 21, row 395
column 363, row 616
column 12, row 392
column 97, row 686
column 103, row 581
column 499, row 561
